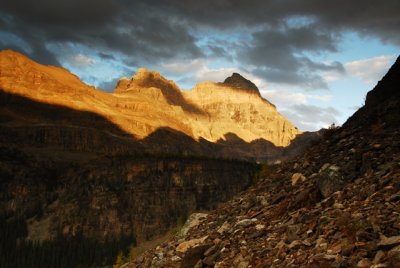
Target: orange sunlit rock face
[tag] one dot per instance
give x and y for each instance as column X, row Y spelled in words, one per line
column 146, row 102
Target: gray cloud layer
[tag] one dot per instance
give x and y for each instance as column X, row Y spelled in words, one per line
column 275, row 37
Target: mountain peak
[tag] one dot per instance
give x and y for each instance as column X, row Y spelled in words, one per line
column 144, row 73
column 145, row 78
column 236, row 80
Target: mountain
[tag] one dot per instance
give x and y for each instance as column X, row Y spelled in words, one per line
column 335, row 205
column 143, row 109
column 88, row 173
column 210, row 110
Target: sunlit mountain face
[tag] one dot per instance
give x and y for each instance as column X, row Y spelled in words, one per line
column 313, row 60
column 148, row 102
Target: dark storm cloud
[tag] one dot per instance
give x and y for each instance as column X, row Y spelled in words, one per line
column 275, row 53
column 106, row 56
column 377, row 18
column 107, row 26
column 280, row 34
column 31, row 36
column 61, row 13
column 306, row 80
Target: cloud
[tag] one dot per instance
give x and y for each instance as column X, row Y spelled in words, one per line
column 324, row 98
column 311, row 117
column 305, row 80
column 106, row 56
column 278, row 55
column 295, row 107
column 81, row 61
column 370, row 70
column 273, row 40
column 191, row 72
column 107, row 26
column 284, row 98
column 177, row 68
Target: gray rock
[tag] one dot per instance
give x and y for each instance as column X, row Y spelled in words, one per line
column 194, row 220
column 330, row 181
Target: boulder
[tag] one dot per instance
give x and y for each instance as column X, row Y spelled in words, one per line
column 330, row 180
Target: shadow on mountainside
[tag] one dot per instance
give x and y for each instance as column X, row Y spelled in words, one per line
column 165, row 140
column 25, row 122
column 175, row 97
column 169, row 89
column 28, row 122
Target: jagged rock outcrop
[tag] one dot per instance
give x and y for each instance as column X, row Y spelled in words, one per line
column 336, row 205
column 144, row 78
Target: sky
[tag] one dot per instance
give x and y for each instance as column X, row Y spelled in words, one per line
column 315, row 60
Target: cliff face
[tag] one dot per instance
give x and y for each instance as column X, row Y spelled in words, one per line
column 242, row 112
column 111, row 197
column 213, row 110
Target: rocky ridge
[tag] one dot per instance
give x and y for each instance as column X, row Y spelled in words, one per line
column 337, row 205
column 147, row 102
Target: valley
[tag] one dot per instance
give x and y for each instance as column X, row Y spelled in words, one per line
column 113, row 171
